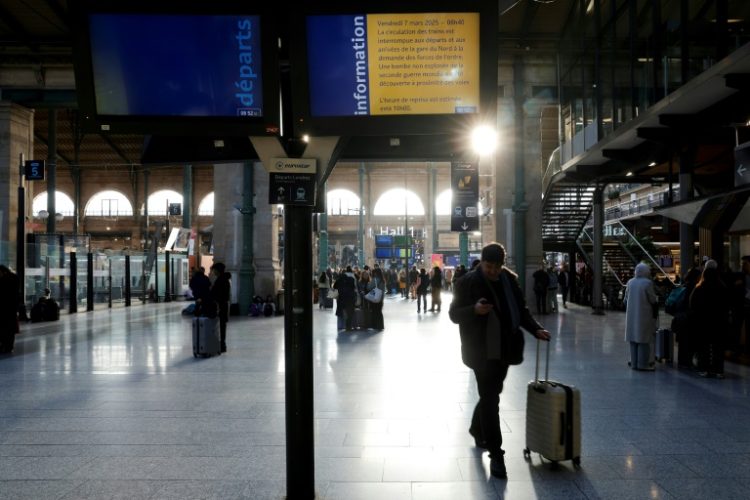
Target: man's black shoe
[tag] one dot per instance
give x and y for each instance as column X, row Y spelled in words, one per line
column 497, row 468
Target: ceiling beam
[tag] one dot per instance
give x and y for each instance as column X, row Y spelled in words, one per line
column 116, row 149
column 17, row 28
column 43, row 140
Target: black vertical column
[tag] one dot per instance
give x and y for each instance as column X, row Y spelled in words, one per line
column 21, row 234
column 109, row 285
column 656, row 51
column 684, row 41
column 167, row 276
column 127, row 281
column 298, row 343
column 73, row 307
column 90, row 282
column 722, row 29
column 598, row 215
column 633, row 36
column 51, row 171
column 598, row 99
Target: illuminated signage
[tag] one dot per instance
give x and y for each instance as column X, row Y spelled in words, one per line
column 393, row 64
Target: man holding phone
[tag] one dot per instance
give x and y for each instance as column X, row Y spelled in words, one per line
column 490, row 310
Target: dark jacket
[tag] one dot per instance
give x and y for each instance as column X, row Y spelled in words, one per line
column 473, row 327
column 220, row 292
column 347, row 288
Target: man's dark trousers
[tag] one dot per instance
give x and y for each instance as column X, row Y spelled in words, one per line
column 485, row 422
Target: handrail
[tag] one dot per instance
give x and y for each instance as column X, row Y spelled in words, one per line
column 633, row 238
column 611, row 269
column 553, row 166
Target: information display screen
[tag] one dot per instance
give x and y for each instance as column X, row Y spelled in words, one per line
column 393, row 64
column 176, row 65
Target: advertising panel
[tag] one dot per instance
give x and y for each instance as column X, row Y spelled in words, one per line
column 465, row 190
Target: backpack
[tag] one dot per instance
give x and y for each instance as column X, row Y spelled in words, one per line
column 675, row 299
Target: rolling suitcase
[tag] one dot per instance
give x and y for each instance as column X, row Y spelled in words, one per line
column 664, row 345
column 206, row 337
column 553, row 418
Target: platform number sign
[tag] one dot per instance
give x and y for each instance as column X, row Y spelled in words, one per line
column 34, row 170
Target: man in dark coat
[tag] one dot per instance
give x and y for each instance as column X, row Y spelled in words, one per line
column 220, row 293
column 489, row 308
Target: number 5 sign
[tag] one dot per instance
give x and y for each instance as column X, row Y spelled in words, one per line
column 34, row 170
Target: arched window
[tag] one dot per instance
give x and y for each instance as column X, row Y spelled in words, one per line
column 63, row 204
column 108, row 204
column 206, row 206
column 398, row 202
column 342, row 202
column 157, row 202
column 443, row 202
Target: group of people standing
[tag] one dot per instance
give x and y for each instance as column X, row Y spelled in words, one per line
column 358, row 304
column 212, row 296
column 547, row 283
column 702, row 315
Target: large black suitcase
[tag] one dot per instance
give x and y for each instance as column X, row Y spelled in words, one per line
column 206, row 337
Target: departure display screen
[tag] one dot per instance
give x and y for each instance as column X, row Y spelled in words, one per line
column 176, row 65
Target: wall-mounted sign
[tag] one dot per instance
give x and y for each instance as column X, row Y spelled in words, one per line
column 34, row 170
column 465, row 190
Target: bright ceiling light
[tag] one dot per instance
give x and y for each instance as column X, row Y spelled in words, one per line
column 629, row 174
column 652, row 164
column 484, row 140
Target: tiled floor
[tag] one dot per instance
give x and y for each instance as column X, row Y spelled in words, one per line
column 113, row 405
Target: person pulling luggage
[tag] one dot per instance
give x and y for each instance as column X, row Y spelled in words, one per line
column 490, row 310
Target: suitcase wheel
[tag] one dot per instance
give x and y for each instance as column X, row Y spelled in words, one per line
column 577, row 463
column 527, row 454
column 195, row 354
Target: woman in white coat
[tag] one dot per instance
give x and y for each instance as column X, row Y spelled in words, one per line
column 640, row 320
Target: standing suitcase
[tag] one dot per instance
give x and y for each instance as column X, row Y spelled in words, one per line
column 664, row 345
column 206, row 337
column 553, row 418
column 328, row 303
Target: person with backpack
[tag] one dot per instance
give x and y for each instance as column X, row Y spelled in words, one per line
column 678, row 305
column 221, row 293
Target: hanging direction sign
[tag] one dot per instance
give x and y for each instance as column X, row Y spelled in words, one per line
column 465, row 190
column 292, row 181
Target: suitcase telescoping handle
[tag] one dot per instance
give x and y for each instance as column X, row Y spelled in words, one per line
column 546, row 366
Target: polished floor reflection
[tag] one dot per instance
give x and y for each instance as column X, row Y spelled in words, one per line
column 112, row 404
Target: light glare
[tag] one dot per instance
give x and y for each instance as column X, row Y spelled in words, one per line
column 484, row 140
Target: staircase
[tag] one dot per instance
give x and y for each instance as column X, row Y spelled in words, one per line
column 565, row 209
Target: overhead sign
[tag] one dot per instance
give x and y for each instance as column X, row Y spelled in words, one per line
column 293, row 165
column 742, row 164
column 34, row 170
column 465, row 196
column 292, row 181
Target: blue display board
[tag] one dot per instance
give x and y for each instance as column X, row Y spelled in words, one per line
column 176, row 65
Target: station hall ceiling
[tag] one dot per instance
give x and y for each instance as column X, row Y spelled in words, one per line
column 36, row 67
